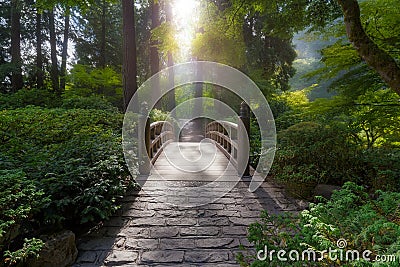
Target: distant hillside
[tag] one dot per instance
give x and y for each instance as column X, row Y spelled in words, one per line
column 308, row 59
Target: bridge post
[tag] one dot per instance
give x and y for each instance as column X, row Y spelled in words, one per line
column 144, row 140
column 243, row 136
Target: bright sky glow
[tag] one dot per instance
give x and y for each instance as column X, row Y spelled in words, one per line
column 186, row 18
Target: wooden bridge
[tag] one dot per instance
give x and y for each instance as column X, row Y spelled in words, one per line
column 230, row 138
column 193, row 208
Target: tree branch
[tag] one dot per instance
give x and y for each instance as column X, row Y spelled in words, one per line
column 375, row 57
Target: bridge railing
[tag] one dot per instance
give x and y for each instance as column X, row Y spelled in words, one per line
column 224, row 134
column 233, row 139
column 156, row 136
column 161, row 134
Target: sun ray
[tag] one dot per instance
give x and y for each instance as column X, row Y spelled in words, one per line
column 186, row 19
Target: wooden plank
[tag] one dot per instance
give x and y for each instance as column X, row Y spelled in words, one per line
column 190, row 161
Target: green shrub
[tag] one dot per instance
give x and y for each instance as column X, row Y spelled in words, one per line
column 20, row 202
column 310, row 151
column 383, row 168
column 61, row 168
column 30, row 249
column 89, row 102
column 158, row 115
column 25, row 97
column 87, row 81
column 20, row 199
column 75, row 157
column 365, row 223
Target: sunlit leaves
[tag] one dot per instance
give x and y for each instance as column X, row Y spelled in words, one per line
column 165, row 37
column 87, row 81
column 220, row 40
column 382, row 23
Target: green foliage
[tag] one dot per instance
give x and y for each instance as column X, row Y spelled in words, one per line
column 47, row 99
column 294, row 99
column 365, row 223
column 89, row 102
column 374, row 120
column 94, row 46
column 31, row 248
column 88, row 81
column 25, row 97
column 75, row 157
column 20, row 203
column 341, row 60
column 381, row 23
column 288, row 108
column 310, row 152
column 383, row 168
column 221, row 41
column 370, row 120
column 353, row 141
column 158, row 115
column 269, row 27
column 165, row 37
column 20, row 199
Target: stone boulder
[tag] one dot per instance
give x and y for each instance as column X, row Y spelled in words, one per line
column 59, row 251
column 325, row 190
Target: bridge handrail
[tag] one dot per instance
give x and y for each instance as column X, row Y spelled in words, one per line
column 224, row 134
column 153, row 137
column 231, row 138
column 161, row 134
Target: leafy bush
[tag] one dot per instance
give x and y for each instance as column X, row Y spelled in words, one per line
column 75, row 156
column 383, row 169
column 60, row 168
column 310, row 151
column 88, row 81
column 25, row 97
column 364, row 222
column 158, row 115
column 89, row 102
column 31, row 248
column 20, row 199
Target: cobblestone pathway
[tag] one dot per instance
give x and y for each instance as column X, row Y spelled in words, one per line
column 192, row 231
column 153, row 233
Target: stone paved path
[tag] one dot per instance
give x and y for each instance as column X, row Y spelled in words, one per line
column 170, row 222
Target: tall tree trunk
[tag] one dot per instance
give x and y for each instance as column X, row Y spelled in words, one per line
column 64, row 55
column 154, row 57
column 16, row 77
column 39, row 56
column 171, row 103
column 129, row 55
column 53, row 47
column 375, row 57
column 103, row 35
